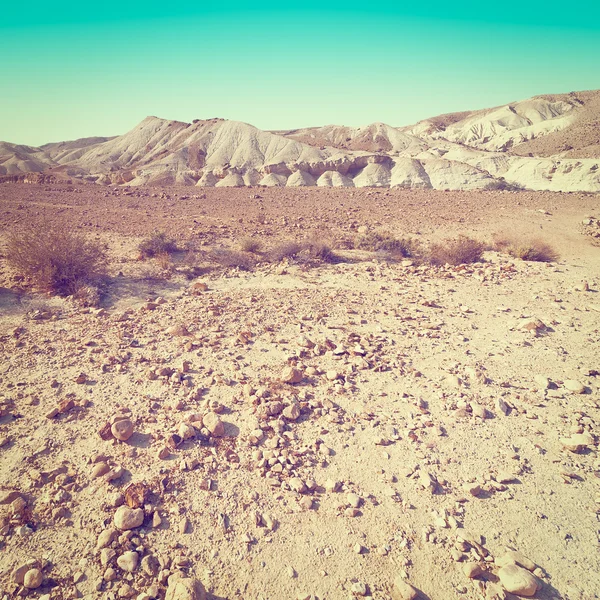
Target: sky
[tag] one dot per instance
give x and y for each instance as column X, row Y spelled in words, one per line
column 74, row 69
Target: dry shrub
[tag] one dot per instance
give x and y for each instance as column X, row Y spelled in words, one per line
column 320, row 250
column 285, row 250
column 526, row 249
column 250, row 244
column 157, row 243
column 385, row 242
column 58, row 261
column 456, row 251
column 232, row 259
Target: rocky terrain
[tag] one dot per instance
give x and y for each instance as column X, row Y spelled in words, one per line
column 361, row 428
column 548, row 142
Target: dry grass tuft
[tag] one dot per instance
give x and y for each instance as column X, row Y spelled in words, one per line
column 456, row 251
column 232, row 259
column 158, row 243
column 387, row 243
column 284, row 250
column 526, row 249
column 251, row 244
column 56, row 261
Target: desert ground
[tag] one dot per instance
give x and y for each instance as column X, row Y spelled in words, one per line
column 365, row 427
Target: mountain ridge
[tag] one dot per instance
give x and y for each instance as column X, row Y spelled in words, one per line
column 548, row 142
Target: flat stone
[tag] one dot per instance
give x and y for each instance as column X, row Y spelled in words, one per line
column 577, row 442
column 514, row 557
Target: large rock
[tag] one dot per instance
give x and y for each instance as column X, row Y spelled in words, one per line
column 213, row 423
column 184, row 588
column 403, row 590
column 128, row 518
column 519, row 581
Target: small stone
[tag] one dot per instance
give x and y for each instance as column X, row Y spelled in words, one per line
column 502, row 407
column 472, row 570
column 573, row 386
column 297, row 485
column 156, row 520
column 100, row 469
column 354, row 500
column 291, row 375
column 81, row 378
column 106, row 538
column 150, row 565
column 478, row 410
column 542, row 382
column 184, row 525
column 403, row 590
column 184, row 588
column 472, row 488
column 352, row 512
column 358, row 548
column 107, row 555
column 18, row 573
column 128, row 561
column 332, row 485
column 177, row 331
column 213, row 423
column 332, row 375
column 577, row 442
column 186, row 432
column 360, row 589
column 514, row 557
column 291, row 412
column 33, row 579
column 517, row 580
column 122, row 430
column 128, row 518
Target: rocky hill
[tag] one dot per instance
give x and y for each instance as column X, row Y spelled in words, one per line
column 548, row 142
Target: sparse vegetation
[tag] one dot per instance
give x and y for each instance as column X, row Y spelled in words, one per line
column 456, row 251
column 385, row 242
column 288, row 249
column 158, row 243
column 251, row 244
column 59, row 261
column 226, row 257
column 526, row 249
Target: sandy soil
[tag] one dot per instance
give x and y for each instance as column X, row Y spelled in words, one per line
column 422, row 440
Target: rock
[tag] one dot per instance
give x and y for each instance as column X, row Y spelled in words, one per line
column 502, row 407
column 478, row 410
column 472, row 570
column 517, row 580
column 354, row 500
column 184, row 588
column 532, row 325
column 213, row 423
column 472, row 488
column 186, row 432
column 297, row 485
column 359, row 589
column 577, row 442
column 33, row 579
column 573, row 386
column 542, row 382
column 291, row 375
column 18, row 573
column 150, row 565
column 122, row 430
column 8, row 496
column 177, row 331
column 107, row 555
column 128, row 561
column 100, row 469
column 198, row 287
column 128, row 518
column 291, row 412
column 513, row 557
column 331, row 485
column 332, row 375
column 402, row 590
column 106, row 538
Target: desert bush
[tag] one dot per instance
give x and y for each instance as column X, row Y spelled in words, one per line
column 526, row 249
column 320, row 250
column 456, row 251
column 285, row 250
column 385, row 242
column 250, row 244
column 232, row 259
column 157, row 243
column 59, row 261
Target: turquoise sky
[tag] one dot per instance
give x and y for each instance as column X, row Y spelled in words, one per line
column 70, row 69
